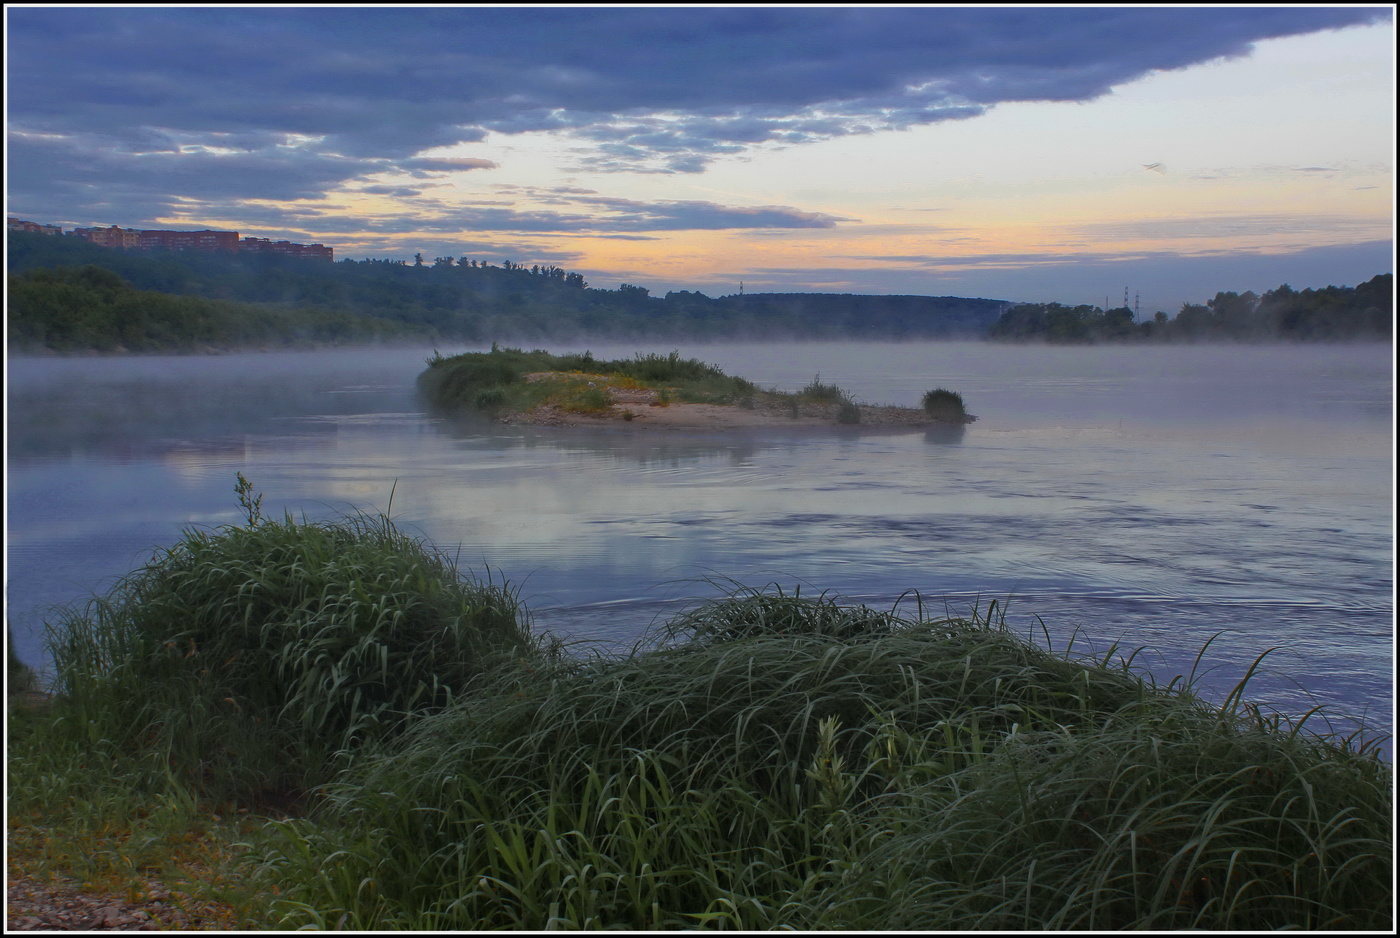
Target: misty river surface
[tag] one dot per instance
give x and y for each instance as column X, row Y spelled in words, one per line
column 1150, row 496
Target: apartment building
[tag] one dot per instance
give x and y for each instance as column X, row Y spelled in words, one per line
column 18, row 224
column 207, row 241
column 123, row 238
column 289, row 248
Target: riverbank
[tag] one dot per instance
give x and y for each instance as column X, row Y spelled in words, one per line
column 94, row 852
column 412, row 755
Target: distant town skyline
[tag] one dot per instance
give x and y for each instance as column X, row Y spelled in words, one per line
column 206, row 240
column 1025, row 153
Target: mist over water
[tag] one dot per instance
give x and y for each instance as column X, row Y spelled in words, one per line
column 1143, row 495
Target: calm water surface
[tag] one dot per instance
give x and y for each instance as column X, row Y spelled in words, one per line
column 1148, row 496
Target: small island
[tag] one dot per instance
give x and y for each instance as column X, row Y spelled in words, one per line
column 541, row 389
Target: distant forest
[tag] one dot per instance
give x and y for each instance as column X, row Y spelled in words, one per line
column 69, row 295
column 1365, row 312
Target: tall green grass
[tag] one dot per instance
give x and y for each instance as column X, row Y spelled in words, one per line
column 818, row 393
column 775, row 761
column 848, row 411
column 248, row 658
column 1181, row 821
column 764, row 760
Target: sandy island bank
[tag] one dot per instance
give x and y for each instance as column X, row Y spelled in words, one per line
column 646, row 408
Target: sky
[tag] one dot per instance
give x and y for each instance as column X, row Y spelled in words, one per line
column 1025, row 153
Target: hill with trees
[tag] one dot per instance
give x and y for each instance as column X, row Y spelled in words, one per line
column 90, row 308
column 67, row 294
column 448, row 298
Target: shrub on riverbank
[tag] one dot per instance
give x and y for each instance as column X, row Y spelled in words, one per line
column 943, row 404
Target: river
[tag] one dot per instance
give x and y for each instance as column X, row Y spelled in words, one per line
column 1149, row 496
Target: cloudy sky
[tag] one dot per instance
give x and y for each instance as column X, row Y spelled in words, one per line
column 1024, row 153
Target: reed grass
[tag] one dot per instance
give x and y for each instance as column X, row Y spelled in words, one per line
column 764, row 760
column 818, row 393
column 815, row 392
column 250, row 658
column 777, row 761
column 1180, row 822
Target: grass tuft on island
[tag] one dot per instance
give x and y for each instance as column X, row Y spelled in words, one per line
column 768, row 759
column 538, row 387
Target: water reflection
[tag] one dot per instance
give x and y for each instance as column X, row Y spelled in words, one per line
column 946, row 434
column 1154, row 496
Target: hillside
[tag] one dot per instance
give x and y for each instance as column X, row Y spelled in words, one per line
column 463, row 299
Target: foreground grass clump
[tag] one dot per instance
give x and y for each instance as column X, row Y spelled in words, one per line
column 774, row 761
column 247, row 658
column 766, row 760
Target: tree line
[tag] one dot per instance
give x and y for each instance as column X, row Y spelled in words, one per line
column 1362, row 313
column 90, row 308
column 67, row 294
column 450, row 298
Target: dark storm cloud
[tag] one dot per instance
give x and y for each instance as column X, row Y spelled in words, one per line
column 691, row 215
column 620, row 218
column 281, row 103
column 427, row 167
column 80, row 180
column 627, row 215
column 402, row 192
